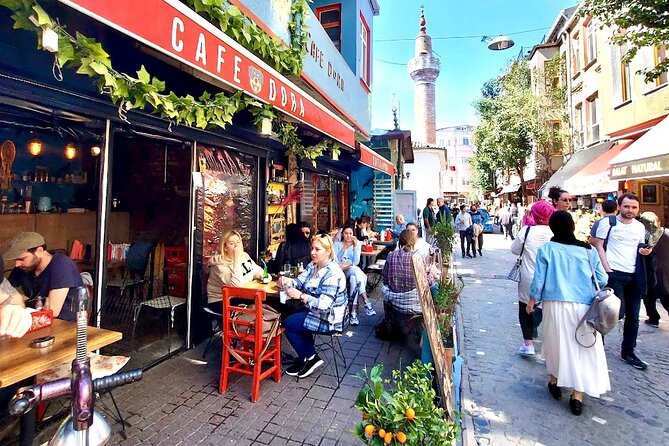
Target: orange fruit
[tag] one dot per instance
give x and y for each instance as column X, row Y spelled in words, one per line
column 369, row 430
column 382, row 433
column 401, row 437
column 411, row 414
column 388, row 438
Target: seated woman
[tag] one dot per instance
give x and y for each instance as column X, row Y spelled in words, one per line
column 232, row 266
column 322, row 288
column 296, row 249
column 399, row 291
column 347, row 253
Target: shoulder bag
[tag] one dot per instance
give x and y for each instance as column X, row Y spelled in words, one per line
column 603, row 313
column 514, row 274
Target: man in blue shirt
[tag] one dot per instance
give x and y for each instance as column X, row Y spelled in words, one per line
column 42, row 275
column 444, row 214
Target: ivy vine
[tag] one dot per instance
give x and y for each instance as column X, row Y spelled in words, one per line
column 230, row 20
column 87, row 56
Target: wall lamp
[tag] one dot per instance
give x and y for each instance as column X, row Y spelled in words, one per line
column 70, row 151
column 35, row 147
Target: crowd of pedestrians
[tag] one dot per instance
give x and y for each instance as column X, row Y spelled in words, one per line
column 559, row 276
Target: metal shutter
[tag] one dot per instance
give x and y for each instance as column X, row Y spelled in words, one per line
column 383, row 200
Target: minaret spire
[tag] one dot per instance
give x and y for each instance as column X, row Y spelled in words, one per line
column 424, row 69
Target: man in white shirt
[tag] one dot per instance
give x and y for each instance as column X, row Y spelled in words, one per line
column 623, row 241
column 421, row 245
column 463, row 223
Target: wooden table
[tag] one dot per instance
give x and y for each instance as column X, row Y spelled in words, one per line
column 18, row 361
column 271, row 289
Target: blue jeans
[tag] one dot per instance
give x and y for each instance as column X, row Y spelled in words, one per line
column 624, row 285
column 300, row 338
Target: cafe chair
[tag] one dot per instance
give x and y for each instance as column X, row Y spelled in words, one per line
column 161, row 303
column 129, row 290
column 101, row 366
column 217, row 331
column 331, row 341
column 245, row 341
column 374, row 276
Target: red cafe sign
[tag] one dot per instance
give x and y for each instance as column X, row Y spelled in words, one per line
column 370, row 158
column 174, row 29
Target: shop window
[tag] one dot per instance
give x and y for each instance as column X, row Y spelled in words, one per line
column 661, row 55
column 330, row 18
column 365, row 74
column 592, row 111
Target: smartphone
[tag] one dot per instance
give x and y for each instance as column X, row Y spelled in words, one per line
column 42, row 341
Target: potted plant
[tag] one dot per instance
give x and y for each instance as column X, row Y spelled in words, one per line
column 402, row 410
column 444, row 234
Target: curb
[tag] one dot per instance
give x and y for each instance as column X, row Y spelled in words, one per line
column 468, row 433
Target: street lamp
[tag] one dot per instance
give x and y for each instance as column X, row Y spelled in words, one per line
column 498, row 43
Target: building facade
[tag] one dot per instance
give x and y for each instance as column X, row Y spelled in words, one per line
column 459, row 146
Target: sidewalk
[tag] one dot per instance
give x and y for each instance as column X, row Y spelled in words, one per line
column 504, row 395
column 177, row 402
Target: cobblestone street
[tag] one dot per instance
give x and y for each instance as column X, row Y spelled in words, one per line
column 178, row 402
column 505, row 399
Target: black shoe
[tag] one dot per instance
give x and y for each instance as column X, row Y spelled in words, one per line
column 296, row 368
column 463, row 255
column 480, row 253
column 310, row 366
column 652, row 323
column 634, row 361
column 555, row 391
column 469, row 256
column 576, row 406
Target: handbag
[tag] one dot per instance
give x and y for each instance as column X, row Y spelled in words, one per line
column 514, row 274
column 603, row 313
column 271, row 321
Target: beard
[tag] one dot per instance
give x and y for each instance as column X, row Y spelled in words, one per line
column 32, row 266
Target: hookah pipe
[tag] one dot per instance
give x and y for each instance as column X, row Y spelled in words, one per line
column 75, row 428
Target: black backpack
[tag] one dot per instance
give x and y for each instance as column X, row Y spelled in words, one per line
column 612, row 222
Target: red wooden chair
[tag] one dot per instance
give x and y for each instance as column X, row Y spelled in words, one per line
column 244, row 340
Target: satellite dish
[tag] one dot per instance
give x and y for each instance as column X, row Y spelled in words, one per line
column 500, row 43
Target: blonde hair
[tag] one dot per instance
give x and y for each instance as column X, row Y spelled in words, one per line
column 326, row 242
column 228, row 235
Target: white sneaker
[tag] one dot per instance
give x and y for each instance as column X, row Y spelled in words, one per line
column 369, row 310
column 526, row 350
column 354, row 319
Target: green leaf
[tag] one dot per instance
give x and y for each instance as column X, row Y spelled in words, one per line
column 65, row 51
column 143, row 75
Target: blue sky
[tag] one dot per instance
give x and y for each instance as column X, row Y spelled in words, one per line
column 466, row 63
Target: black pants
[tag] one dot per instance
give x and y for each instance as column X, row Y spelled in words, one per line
column 625, row 287
column 650, row 300
column 465, row 236
column 528, row 322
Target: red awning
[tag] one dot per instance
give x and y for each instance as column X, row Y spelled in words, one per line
column 177, row 31
column 594, row 178
column 370, row 158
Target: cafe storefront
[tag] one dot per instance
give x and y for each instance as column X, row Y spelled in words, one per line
column 643, row 168
column 146, row 180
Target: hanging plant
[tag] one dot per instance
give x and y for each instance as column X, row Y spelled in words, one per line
column 287, row 134
column 229, row 19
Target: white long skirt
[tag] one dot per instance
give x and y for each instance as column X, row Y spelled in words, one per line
column 580, row 368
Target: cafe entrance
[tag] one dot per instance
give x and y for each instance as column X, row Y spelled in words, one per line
column 146, row 289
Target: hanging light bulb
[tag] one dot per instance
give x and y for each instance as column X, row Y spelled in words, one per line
column 70, row 151
column 95, row 150
column 35, row 147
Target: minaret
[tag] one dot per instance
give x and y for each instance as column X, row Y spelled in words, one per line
column 424, row 70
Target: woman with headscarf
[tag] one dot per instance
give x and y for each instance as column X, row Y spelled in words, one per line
column 563, row 281
column 526, row 245
column 296, row 249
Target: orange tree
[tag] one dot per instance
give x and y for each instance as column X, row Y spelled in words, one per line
column 401, row 410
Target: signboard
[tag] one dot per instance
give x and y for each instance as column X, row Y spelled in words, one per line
column 656, row 166
column 175, row 30
column 370, row 158
column 405, row 203
column 325, row 69
column 442, row 369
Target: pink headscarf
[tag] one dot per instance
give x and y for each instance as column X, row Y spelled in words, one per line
column 541, row 212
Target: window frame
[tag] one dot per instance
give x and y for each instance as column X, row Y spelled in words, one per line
column 593, row 108
column 365, row 56
column 579, row 129
column 626, row 78
column 660, row 54
column 590, row 42
column 576, row 54
column 328, row 8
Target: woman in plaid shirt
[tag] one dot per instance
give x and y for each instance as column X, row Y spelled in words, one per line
column 322, row 288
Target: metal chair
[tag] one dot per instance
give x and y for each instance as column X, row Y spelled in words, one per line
column 164, row 302
column 331, row 341
column 217, row 331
